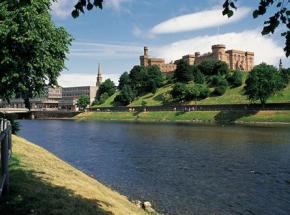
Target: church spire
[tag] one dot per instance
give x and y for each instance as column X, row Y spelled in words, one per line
column 280, row 65
column 99, row 76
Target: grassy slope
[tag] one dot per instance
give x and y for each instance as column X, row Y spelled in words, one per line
column 109, row 102
column 205, row 116
column 232, row 96
column 41, row 183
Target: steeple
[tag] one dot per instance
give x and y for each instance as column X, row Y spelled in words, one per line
column 280, row 65
column 99, row 76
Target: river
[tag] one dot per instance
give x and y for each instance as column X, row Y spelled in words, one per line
column 181, row 169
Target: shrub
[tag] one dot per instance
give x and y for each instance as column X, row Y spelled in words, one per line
column 103, row 98
column 203, row 91
column 126, row 96
column 179, row 91
column 199, row 78
column 220, row 90
column 218, row 80
column 236, row 79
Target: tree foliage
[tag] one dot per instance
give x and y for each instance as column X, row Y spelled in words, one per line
column 32, row 51
column 108, row 86
column 263, row 81
column 143, row 80
column 187, row 92
column 183, row 72
column 124, row 80
column 83, row 102
column 236, row 79
column 126, row 96
column 213, row 67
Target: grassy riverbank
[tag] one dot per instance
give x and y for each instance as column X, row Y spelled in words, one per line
column 41, row 183
column 194, row 116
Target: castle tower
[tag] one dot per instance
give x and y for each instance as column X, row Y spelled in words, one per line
column 219, row 51
column 145, row 58
column 99, row 77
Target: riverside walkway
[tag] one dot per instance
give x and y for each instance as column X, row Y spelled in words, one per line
column 222, row 107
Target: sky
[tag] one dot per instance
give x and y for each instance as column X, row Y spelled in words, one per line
column 116, row 35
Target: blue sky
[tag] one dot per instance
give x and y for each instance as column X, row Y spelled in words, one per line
column 115, row 36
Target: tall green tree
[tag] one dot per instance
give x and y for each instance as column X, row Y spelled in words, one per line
column 32, row 49
column 183, row 72
column 108, row 86
column 126, row 96
column 124, row 80
column 263, row 81
column 138, row 78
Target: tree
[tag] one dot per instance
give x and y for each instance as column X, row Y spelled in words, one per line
column 138, row 78
column 126, row 96
column 83, row 102
column 207, row 67
column 124, row 80
column 33, row 49
column 187, row 92
column 199, row 78
column 236, row 79
column 183, row 72
column 221, row 68
column 213, row 67
column 263, row 81
column 154, row 78
column 179, row 91
column 108, row 87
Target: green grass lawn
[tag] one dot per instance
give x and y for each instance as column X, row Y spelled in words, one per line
column 153, row 99
column 43, row 184
column 109, row 102
column 219, row 117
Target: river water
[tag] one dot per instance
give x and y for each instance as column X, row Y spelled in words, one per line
column 181, row 169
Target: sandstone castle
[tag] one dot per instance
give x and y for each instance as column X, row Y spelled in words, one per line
column 236, row 59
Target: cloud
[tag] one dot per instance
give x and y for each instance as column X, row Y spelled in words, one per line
column 62, row 8
column 199, row 20
column 266, row 50
column 72, row 80
column 116, row 4
column 104, row 50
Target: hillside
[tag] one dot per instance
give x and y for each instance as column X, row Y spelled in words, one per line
column 232, row 96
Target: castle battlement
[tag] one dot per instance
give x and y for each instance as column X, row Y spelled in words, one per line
column 236, row 59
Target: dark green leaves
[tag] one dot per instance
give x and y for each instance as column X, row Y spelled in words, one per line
column 282, row 16
column 82, row 4
column 32, row 50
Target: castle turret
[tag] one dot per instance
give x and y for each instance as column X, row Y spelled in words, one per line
column 144, row 59
column 219, row 51
column 99, row 77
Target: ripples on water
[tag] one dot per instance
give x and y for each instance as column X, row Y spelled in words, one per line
column 181, row 169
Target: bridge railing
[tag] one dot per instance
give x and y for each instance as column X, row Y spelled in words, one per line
column 6, row 151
